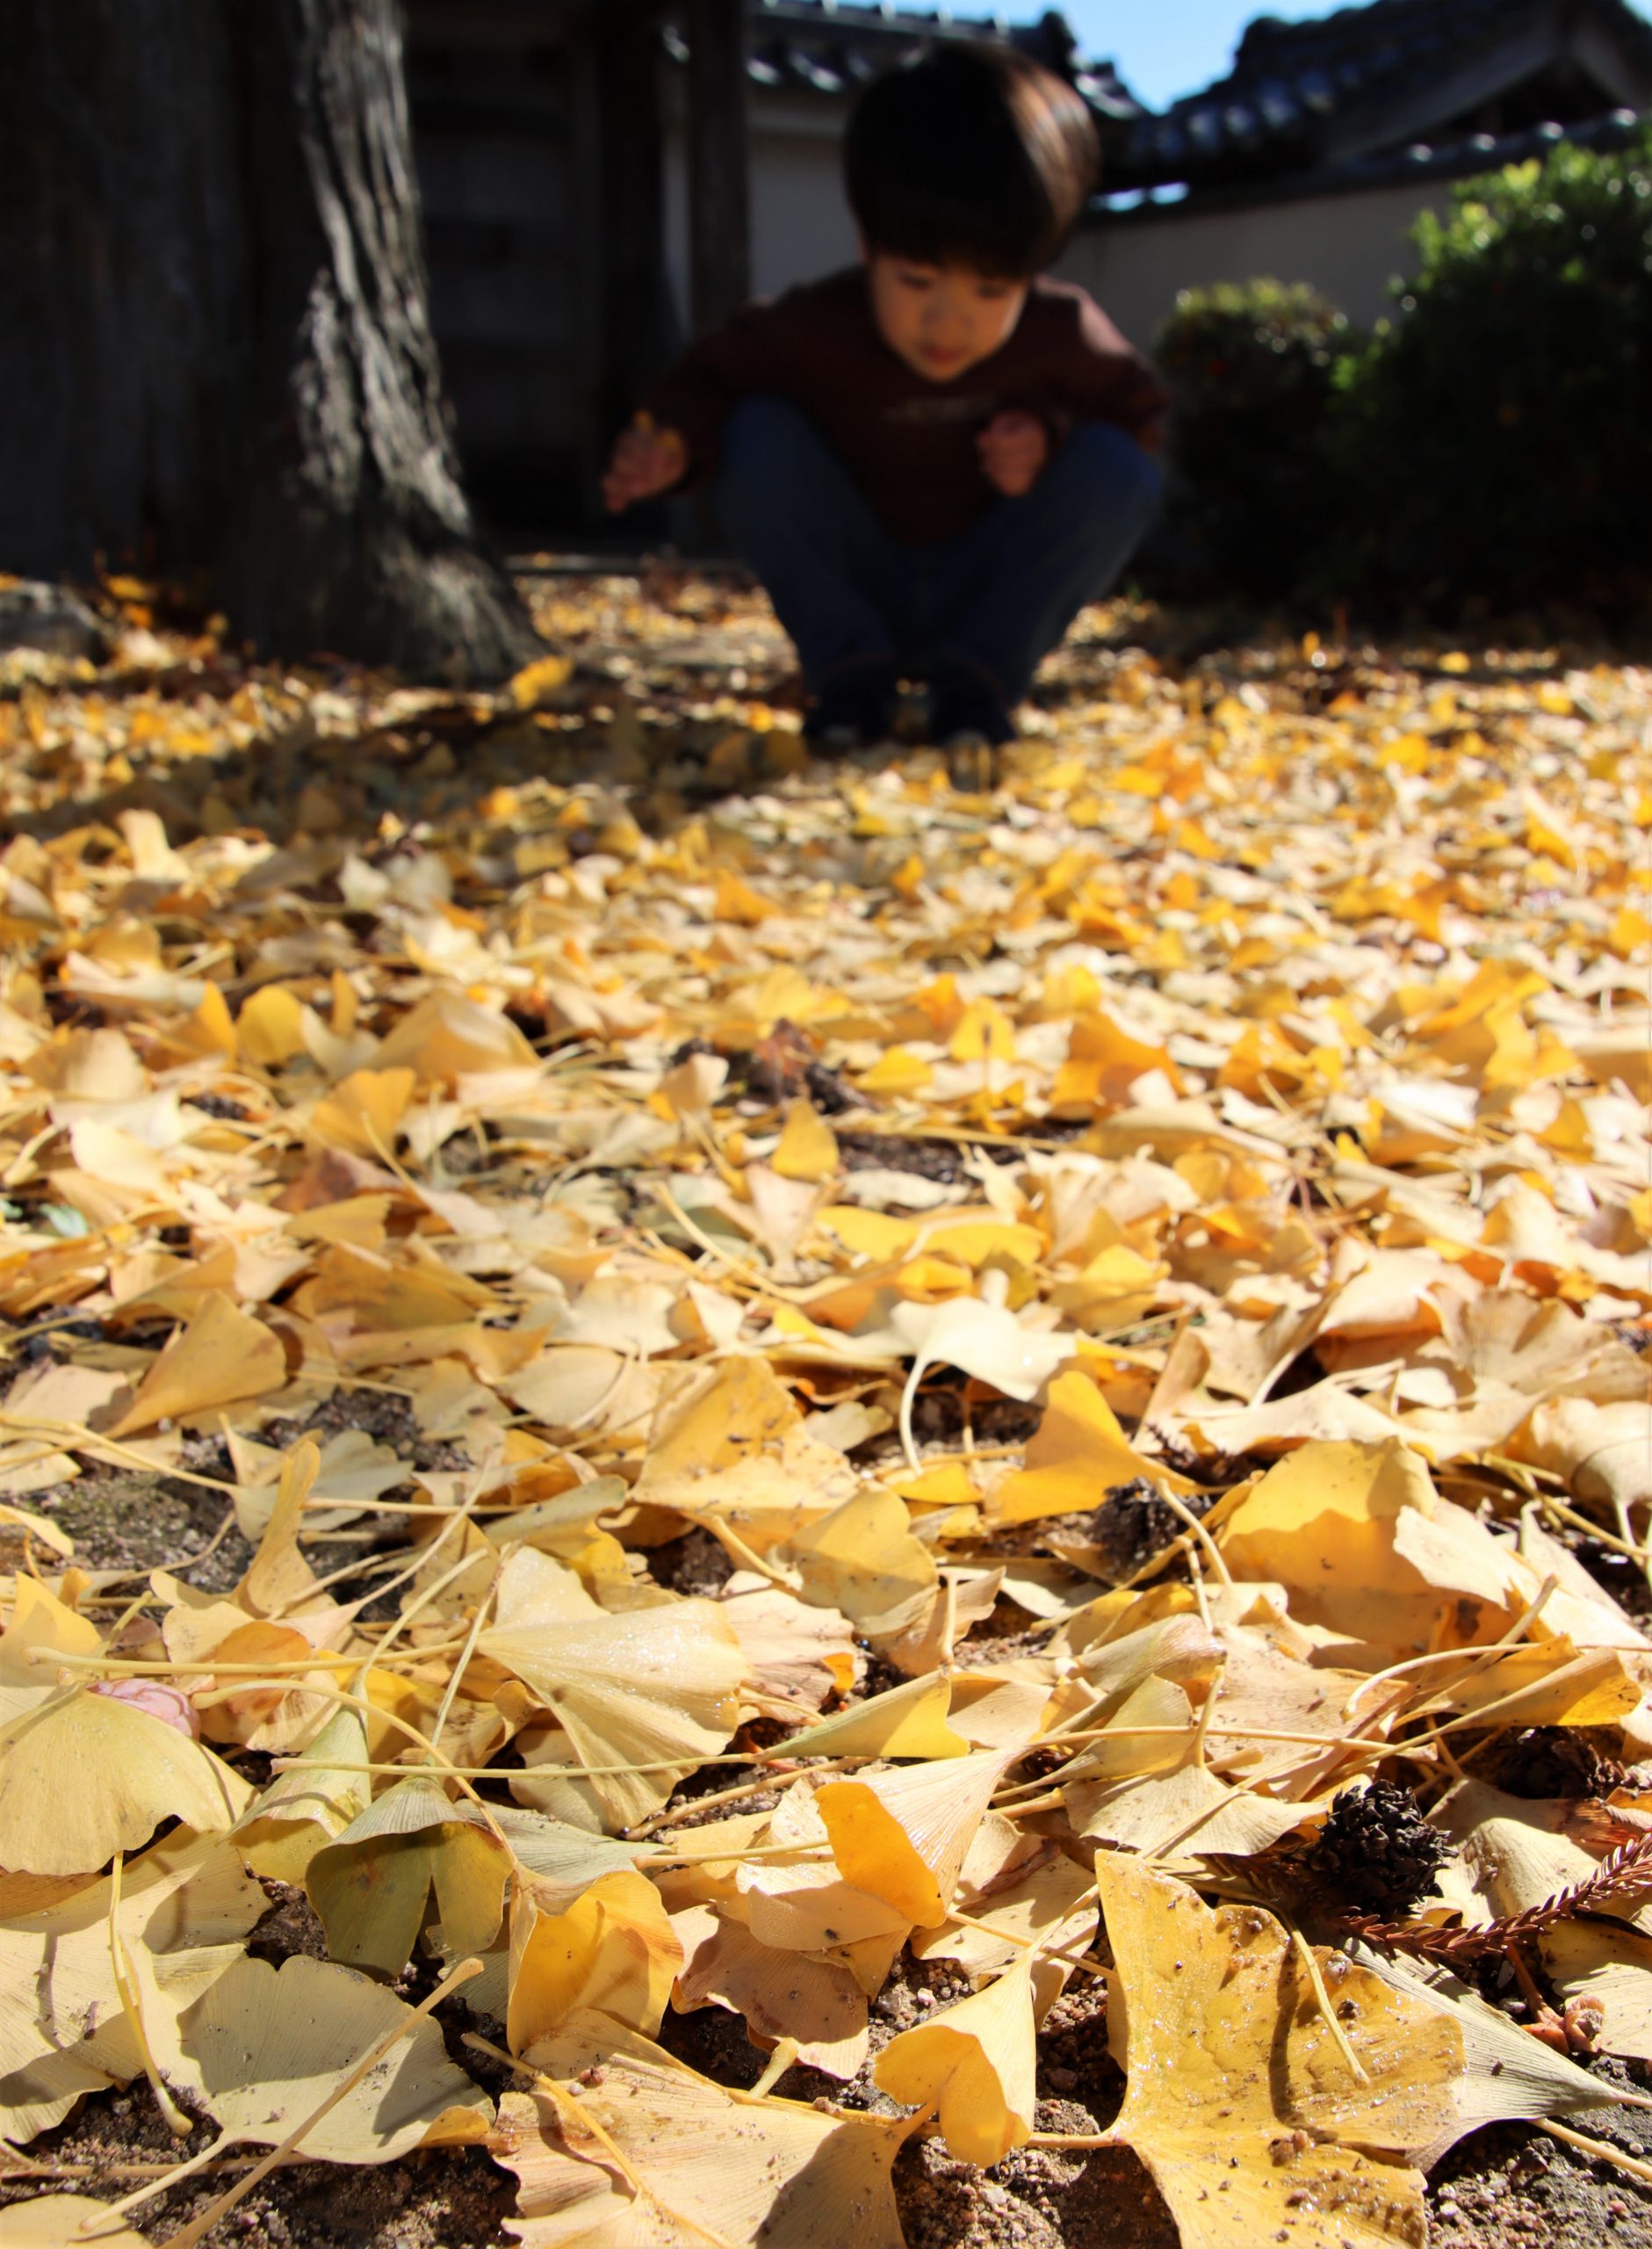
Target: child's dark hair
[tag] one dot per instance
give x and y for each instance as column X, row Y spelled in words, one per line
column 972, row 155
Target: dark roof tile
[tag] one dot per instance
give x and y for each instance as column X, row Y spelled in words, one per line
column 834, row 46
column 1276, row 111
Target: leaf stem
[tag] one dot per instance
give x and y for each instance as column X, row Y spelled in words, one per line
column 1328, row 2014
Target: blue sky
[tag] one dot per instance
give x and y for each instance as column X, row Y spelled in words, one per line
column 1166, row 48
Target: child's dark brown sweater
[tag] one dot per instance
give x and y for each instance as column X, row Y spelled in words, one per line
column 909, row 443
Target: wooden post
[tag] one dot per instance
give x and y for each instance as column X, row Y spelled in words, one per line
column 719, row 160
column 634, row 308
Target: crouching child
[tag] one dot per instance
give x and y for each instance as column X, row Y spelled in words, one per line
column 935, row 459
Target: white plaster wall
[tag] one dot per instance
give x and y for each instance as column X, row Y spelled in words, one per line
column 801, row 227
column 1348, row 246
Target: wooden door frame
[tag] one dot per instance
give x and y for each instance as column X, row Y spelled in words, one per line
column 631, row 134
column 719, row 160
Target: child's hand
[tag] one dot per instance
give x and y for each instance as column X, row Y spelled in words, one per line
column 1015, row 448
column 645, row 461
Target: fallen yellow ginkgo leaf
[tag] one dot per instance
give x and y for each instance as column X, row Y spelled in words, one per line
column 655, row 1688
column 1018, row 1893
column 1366, row 1546
column 413, row 1850
column 283, row 1829
column 611, row 1953
column 655, row 2154
column 222, row 1356
column 130, row 1772
column 733, row 1445
column 269, row 2045
column 983, row 1338
column 364, row 1112
column 976, row 2062
column 812, row 1999
column 864, row 1559
column 1256, row 2116
column 41, row 1625
column 447, row 1037
column 903, row 1835
column 49, row 2221
column 808, row 1148
column 1079, row 1453
column 905, row 1721
column 185, row 1907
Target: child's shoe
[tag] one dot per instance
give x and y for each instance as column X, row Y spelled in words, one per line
column 971, row 722
column 856, row 709
column 968, row 702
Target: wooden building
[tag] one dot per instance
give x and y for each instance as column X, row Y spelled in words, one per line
column 539, row 134
column 603, row 177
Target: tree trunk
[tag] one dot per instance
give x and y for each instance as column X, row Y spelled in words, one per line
column 217, row 353
column 349, row 529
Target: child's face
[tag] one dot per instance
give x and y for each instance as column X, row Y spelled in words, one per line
column 941, row 320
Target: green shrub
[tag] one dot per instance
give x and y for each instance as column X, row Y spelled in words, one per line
column 1253, row 369
column 1497, row 436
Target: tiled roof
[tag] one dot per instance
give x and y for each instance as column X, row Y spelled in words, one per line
column 1445, row 157
column 833, row 48
column 1280, row 114
column 1279, row 108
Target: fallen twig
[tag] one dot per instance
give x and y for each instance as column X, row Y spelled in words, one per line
column 1626, row 1874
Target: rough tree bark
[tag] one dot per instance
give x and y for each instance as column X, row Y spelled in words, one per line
column 215, row 346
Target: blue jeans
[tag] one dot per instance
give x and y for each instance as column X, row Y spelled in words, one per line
column 993, row 600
